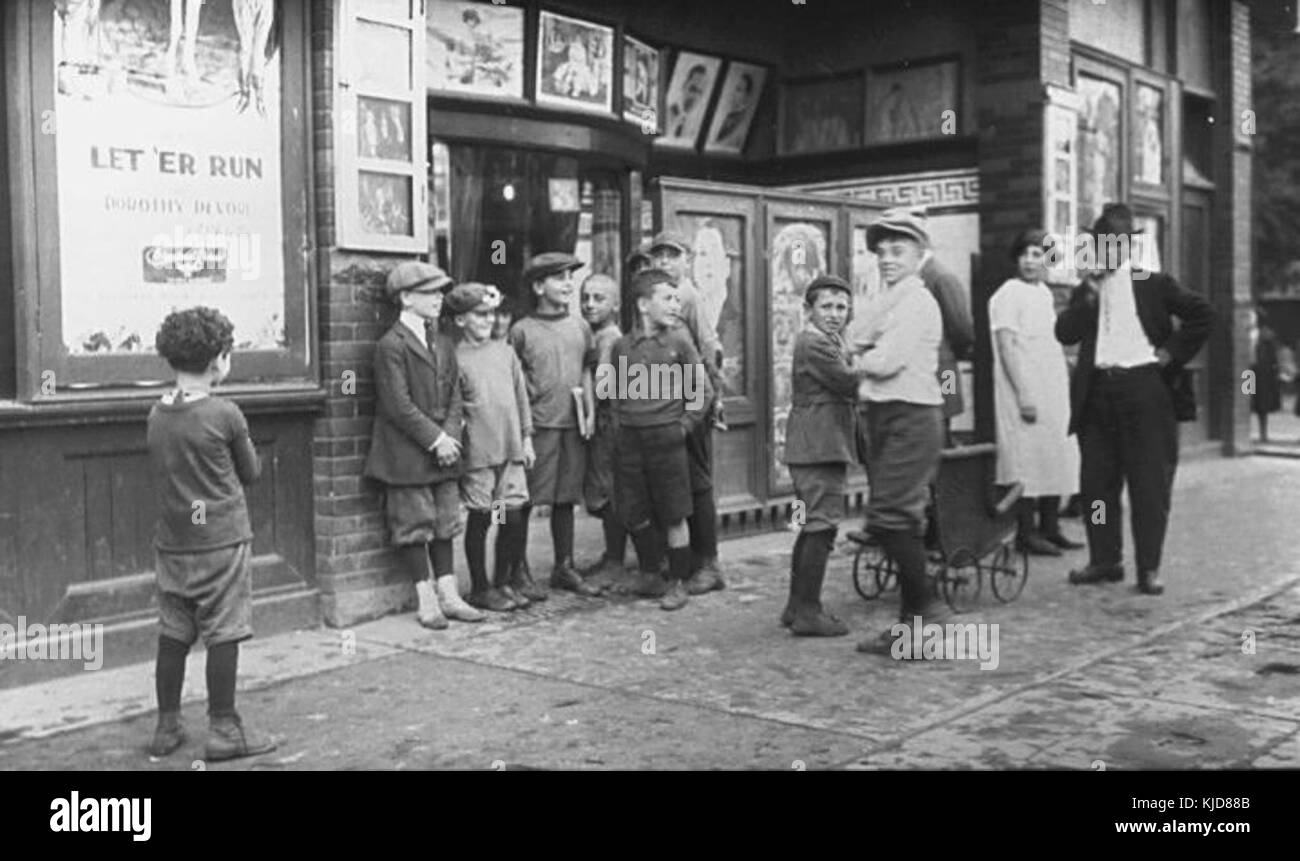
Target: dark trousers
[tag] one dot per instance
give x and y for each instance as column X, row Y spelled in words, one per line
column 1128, row 435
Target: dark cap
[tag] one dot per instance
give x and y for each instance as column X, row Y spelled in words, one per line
column 824, row 282
column 1116, row 219
column 417, row 276
column 550, row 263
column 670, row 239
column 639, row 256
column 645, row 281
column 472, row 296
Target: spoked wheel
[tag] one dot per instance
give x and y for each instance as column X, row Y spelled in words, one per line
column 872, row 571
column 1008, row 571
column 960, row 580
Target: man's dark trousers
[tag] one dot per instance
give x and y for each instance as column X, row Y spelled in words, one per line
column 1127, row 434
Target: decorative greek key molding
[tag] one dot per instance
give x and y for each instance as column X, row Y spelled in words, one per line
column 947, row 190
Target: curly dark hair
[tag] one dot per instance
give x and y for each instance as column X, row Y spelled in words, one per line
column 189, row 340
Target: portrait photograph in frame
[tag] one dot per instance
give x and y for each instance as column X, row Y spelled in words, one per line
column 575, row 64
column 821, row 114
column 742, row 88
column 909, row 103
column 475, row 49
column 686, row 101
column 640, row 84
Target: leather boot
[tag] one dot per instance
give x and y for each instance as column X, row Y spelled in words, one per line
column 169, row 735
column 810, row 619
column 453, row 606
column 228, row 739
column 1027, row 537
column 429, row 614
column 791, row 601
column 565, row 576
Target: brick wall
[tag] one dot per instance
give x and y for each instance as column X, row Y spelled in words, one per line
column 356, row 572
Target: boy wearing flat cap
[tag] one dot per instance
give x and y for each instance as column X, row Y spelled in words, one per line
column 415, row 444
column 498, row 445
column 555, row 350
column 898, row 351
column 654, row 422
column 820, row 443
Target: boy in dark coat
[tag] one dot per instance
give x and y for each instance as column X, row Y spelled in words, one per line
column 415, row 444
column 819, row 445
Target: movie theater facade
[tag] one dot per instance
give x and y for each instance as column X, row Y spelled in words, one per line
column 275, row 160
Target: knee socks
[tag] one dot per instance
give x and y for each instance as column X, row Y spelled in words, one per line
column 170, row 673
column 649, row 544
column 511, row 541
column 615, row 535
column 562, row 532
column 443, row 555
column 223, row 664
column 415, row 559
column 476, row 530
column 704, row 525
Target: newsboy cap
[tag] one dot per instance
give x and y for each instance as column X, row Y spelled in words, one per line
column 825, row 282
column 670, row 239
column 416, row 275
column 472, row 296
column 549, row 263
column 902, row 221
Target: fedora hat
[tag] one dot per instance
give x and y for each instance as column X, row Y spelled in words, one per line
column 1115, row 219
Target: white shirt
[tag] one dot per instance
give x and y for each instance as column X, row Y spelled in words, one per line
column 1121, row 341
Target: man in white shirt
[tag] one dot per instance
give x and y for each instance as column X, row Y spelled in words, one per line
column 1130, row 389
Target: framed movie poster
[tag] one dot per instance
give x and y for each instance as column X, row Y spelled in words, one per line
column 1099, row 141
column 741, row 90
column 687, row 99
column 641, row 84
column 575, row 64
column 475, row 49
column 1149, row 135
column 821, row 115
column 912, row 102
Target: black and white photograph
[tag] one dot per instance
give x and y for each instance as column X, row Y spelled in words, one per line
column 475, row 49
column 687, row 99
column 656, row 387
column 575, row 64
column 640, row 84
column 742, row 87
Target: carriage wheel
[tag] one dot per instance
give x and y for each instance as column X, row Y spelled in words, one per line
column 866, row 571
column 1008, row 571
column 960, row 580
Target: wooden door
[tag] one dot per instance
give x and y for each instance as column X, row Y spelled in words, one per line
column 1195, row 274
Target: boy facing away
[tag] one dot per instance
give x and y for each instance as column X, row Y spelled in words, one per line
column 202, row 456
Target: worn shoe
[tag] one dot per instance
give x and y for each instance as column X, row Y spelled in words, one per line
column 564, row 576
column 648, row 585
column 492, row 599
column 1064, row 543
column 676, row 597
column 453, row 606
column 518, row 599
column 429, row 614
column 227, row 739
column 1091, row 574
column 881, row 644
column 604, row 574
column 1149, row 583
column 817, row 623
column 521, row 580
column 1037, row 545
column 169, row 735
column 787, row 615
column 707, row 579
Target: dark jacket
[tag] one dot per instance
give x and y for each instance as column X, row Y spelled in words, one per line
column 958, row 330
column 822, row 427
column 1159, row 299
column 418, row 396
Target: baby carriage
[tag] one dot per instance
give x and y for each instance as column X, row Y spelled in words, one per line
column 974, row 531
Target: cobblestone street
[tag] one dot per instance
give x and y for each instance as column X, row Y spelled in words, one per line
column 1087, row 677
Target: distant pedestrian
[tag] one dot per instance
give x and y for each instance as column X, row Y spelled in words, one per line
column 1130, row 391
column 1267, row 396
column 1031, row 389
column 202, row 456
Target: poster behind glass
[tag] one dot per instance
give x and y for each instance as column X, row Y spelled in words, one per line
column 475, row 49
column 1149, row 140
column 797, row 256
column 718, row 271
column 1099, row 146
column 575, row 63
column 169, row 181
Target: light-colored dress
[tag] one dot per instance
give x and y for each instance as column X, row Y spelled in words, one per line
column 1041, row 455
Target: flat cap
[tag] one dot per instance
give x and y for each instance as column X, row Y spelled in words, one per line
column 416, row 275
column 549, row 263
column 822, row 282
column 472, row 296
column 644, row 282
column 671, row 239
column 903, row 221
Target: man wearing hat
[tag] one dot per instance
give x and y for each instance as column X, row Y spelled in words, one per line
column 415, row 441
column 672, row 254
column 555, row 350
column 1129, row 391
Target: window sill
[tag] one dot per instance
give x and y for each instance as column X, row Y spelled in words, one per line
column 132, row 404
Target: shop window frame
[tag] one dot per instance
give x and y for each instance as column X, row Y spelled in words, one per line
column 42, row 357
column 349, row 164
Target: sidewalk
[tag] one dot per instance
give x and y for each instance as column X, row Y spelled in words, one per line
column 1088, row 677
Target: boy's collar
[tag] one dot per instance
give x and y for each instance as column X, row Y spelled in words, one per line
column 549, row 315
